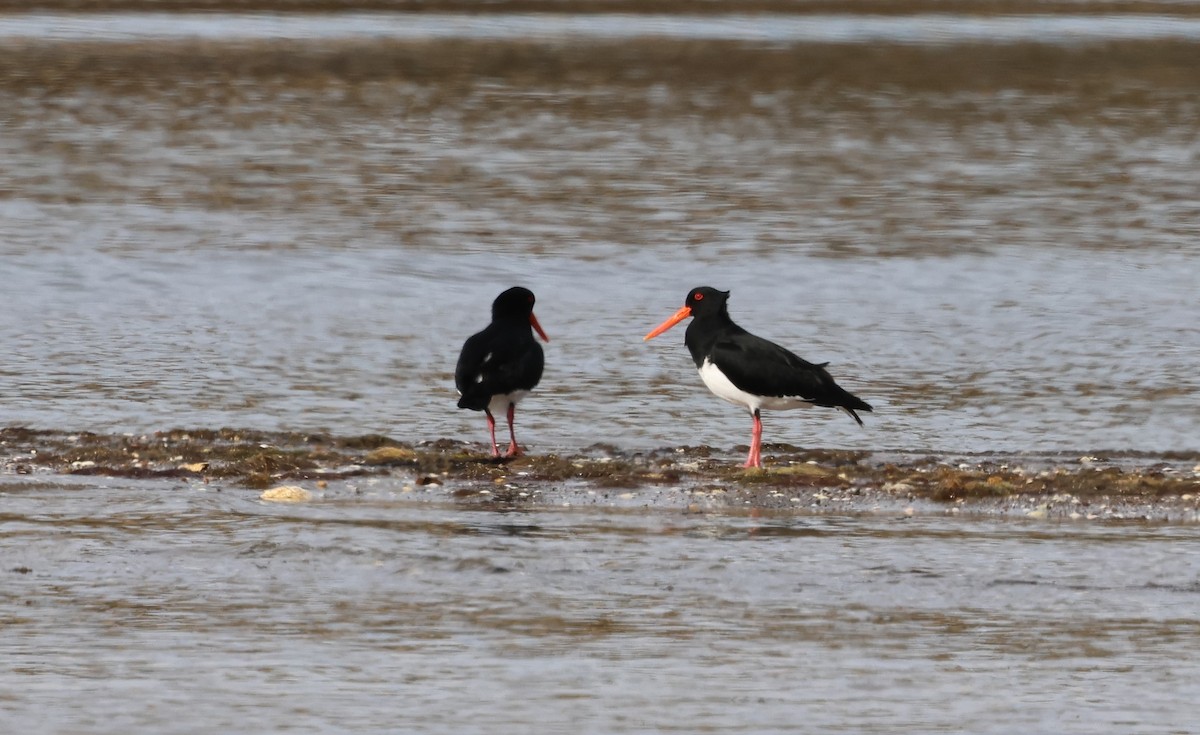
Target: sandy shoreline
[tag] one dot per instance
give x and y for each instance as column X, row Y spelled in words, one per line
column 1065, row 486
column 861, row 7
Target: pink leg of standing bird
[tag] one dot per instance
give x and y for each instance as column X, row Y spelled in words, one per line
column 513, row 449
column 492, row 430
column 754, row 459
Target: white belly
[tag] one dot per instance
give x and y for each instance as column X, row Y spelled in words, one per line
column 722, row 387
column 499, row 404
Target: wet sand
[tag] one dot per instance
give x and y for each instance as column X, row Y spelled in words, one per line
column 1111, row 72
column 691, row 479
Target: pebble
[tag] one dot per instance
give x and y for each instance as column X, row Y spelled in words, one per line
column 287, row 494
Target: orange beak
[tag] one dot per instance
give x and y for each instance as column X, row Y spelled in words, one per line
column 683, row 313
column 537, row 327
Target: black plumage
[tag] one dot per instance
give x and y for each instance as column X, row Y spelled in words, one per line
column 750, row 371
column 501, row 364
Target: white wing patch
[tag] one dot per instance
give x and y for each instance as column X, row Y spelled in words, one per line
column 483, row 363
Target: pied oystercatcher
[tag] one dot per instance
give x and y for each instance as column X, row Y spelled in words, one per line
column 500, row 365
column 751, row 371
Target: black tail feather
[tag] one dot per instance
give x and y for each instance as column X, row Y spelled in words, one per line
column 474, row 401
column 851, row 404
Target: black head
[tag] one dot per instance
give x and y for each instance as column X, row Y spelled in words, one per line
column 515, row 302
column 705, row 300
column 702, row 303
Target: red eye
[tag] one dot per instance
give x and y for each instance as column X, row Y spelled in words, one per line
column 698, row 297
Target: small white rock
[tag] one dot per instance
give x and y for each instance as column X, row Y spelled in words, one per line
column 287, row 494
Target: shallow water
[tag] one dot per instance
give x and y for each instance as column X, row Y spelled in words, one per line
column 996, row 258
column 181, row 608
column 758, row 28
column 299, row 236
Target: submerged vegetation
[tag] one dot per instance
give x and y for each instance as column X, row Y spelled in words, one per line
column 693, row 478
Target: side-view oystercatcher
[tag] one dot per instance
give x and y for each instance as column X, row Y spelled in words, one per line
column 751, row 371
column 500, row 365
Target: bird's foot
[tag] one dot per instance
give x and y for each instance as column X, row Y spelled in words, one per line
column 753, row 460
column 514, row 451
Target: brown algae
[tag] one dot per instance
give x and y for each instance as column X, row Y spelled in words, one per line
column 1082, row 486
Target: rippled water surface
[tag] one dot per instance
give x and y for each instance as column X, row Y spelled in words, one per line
column 992, row 238
column 177, row 609
column 301, row 236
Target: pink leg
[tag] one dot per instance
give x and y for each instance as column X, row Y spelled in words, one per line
column 754, row 459
column 492, row 431
column 513, row 449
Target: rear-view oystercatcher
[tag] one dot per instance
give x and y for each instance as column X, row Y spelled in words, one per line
column 500, row 365
column 751, row 371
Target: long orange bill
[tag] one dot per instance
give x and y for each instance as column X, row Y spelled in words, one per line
column 537, row 327
column 683, row 313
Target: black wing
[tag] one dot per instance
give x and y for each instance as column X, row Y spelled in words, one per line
column 493, row 363
column 763, row 368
